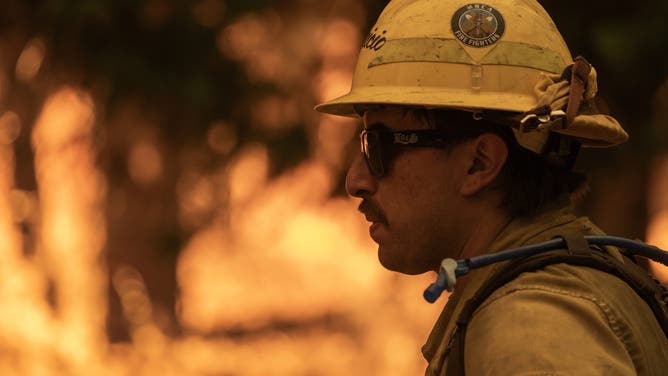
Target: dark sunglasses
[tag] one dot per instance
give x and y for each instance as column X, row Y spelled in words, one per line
column 379, row 145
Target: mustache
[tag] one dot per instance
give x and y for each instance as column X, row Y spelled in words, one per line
column 372, row 211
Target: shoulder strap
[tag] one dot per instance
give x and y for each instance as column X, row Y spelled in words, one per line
column 648, row 288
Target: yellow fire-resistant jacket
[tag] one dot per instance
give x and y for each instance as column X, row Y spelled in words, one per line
column 561, row 320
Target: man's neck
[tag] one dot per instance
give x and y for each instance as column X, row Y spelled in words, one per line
column 480, row 237
column 483, row 232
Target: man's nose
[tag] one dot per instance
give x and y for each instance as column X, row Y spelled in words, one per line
column 359, row 181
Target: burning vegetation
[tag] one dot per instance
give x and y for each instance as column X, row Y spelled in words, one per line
column 170, row 203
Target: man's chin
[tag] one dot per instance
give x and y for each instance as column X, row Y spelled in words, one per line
column 401, row 265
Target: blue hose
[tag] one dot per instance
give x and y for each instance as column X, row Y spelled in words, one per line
column 633, row 247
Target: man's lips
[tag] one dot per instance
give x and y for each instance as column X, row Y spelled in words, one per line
column 374, row 226
column 372, row 212
column 371, row 218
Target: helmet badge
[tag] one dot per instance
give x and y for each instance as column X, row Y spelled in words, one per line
column 478, row 25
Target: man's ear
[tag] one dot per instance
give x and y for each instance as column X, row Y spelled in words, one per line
column 487, row 156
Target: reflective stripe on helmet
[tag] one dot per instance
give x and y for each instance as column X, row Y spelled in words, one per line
column 438, row 50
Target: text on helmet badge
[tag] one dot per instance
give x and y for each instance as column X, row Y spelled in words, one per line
column 478, row 25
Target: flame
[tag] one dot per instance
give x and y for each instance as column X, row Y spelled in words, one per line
column 283, row 280
column 72, row 227
column 10, row 127
column 23, row 318
column 290, row 271
column 30, row 60
column 278, row 278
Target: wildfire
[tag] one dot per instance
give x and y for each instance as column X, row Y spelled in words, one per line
column 281, row 279
column 284, row 281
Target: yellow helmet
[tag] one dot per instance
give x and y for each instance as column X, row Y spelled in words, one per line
column 500, row 55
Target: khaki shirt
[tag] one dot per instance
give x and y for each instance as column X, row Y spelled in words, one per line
column 561, row 320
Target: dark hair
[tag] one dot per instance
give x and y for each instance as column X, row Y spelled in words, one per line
column 527, row 181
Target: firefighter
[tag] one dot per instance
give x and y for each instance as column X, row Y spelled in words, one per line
column 473, row 116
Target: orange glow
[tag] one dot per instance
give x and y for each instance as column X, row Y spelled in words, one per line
column 276, row 274
column 340, row 42
column 657, row 234
column 333, row 83
column 339, row 50
column 30, row 60
column 209, row 13
column 282, row 280
column 222, row 137
column 197, row 196
column 657, row 227
column 24, row 206
column 277, row 278
column 249, row 174
column 253, row 39
column 242, row 38
column 130, row 287
column 280, row 51
column 274, row 113
column 72, row 226
column 334, row 134
column 144, row 163
column 10, row 127
column 292, row 255
column 24, row 322
column 300, row 258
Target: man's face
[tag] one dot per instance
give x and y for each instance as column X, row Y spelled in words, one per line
column 414, row 209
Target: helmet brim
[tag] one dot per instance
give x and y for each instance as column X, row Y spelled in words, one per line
column 353, row 103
